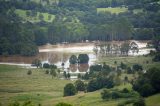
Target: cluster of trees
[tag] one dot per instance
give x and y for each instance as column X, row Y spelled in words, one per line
column 116, row 49
column 82, row 59
column 26, row 103
column 100, row 82
column 66, row 75
column 100, row 77
column 71, row 89
column 115, row 94
column 63, row 104
column 52, row 69
column 148, row 83
column 16, row 37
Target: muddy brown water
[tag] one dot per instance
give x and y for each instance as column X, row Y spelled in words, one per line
column 56, row 54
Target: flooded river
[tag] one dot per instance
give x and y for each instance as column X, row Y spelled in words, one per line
column 56, row 54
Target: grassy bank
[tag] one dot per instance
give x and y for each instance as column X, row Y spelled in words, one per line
column 145, row 61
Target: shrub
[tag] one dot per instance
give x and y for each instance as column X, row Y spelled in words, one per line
column 86, row 76
column 68, row 75
column 139, row 102
column 136, row 102
column 36, row 63
column 65, row 74
column 106, row 68
column 63, row 104
column 47, row 72
column 129, row 70
column 69, row 90
column 53, row 73
column 80, row 85
column 92, row 86
column 29, row 72
column 126, row 102
column 123, row 66
column 137, row 67
column 154, row 73
column 146, row 90
column 95, row 68
column 46, row 65
column 13, row 104
column 79, row 76
column 153, row 82
column 156, row 57
column 28, row 103
column 115, row 95
column 125, row 90
column 105, row 94
column 53, row 66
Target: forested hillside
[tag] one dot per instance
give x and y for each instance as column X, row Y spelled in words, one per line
column 25, row 24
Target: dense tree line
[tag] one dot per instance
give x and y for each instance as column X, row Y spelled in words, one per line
column 16, row 37
column 75, row 21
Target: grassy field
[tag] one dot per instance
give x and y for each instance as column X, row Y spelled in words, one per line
column 22, row 13
column 153, row 100
column 130, row 61
column 135, row 11
column 43, row 2
column 115, row 10
column 16, row 85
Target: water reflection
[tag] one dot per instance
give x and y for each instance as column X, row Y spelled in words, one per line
column 83, row 67
column 73, row 67
column 56, row 58
column 78, row 68
column 51, row 57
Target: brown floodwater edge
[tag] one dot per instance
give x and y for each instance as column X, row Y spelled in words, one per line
column 62, row 52
column 52, row 57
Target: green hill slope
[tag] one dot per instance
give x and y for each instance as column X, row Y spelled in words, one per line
column 153, row 100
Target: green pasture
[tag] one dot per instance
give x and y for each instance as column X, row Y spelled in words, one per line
column 115, row 10
column 22, row 13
